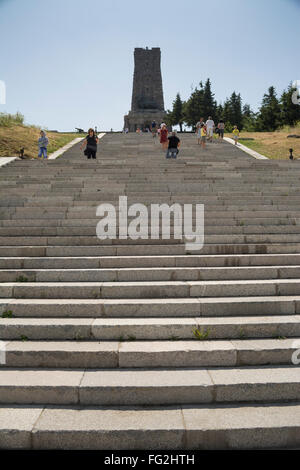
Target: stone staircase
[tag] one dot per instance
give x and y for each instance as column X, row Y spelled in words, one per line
column 141, row 344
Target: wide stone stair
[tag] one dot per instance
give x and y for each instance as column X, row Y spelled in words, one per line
column 143, row 344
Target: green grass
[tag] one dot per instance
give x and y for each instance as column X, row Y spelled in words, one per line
column 8, row 120
column 254, row 145
column 274, row 145
column 61, row 140
column 14, row 135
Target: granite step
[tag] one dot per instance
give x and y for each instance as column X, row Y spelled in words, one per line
column 124, row 353
column 206, row 427
column 151, row 307
column 150, row 289
column 151, row 274
column 155, row 261
column 164, row 386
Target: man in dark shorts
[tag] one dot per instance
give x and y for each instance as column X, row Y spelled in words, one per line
column 174, row 144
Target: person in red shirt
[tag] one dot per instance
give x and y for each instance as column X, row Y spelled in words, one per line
column 164, row 137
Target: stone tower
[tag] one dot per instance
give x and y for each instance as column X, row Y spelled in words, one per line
column 147, row 102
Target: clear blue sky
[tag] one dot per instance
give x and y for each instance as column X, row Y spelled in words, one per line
column 69, row 63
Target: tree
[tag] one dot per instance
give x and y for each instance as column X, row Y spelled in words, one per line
column 219, row 113
column 209, row 104
column 269, row 113
column 236, row 110
column 176, row 115
column 249, row 119
column 193, row 108
column 232, row 112
column 290, row 112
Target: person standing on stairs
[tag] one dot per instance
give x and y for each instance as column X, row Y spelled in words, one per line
column 43, row 143
column 203, row 136
column 90, row 144
column 198, row 130
column 174, row 144
column 221, row 127
column 236, row 134
column 154, row 129
column 164, row 136
column 210, row 125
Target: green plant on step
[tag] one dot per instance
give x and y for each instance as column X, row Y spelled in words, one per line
column 23, row 338
column 121, row 338
column 200, row 334
column 131, row 338
column 277, row 335
column 174, row 338
column 22, row 279
column 7, row 314
column 242, row 333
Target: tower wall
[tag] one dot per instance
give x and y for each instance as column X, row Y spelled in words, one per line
column 147, row 102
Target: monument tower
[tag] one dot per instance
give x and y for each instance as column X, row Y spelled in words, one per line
column 147, row 102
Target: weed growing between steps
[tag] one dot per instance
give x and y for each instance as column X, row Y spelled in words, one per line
column 121, row 339
column 22, row 279
column 200, row 333
column 7, row 314
column 24, row 338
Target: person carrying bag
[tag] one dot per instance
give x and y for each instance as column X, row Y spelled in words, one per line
column 90, row 144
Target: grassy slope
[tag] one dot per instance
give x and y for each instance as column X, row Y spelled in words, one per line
column 274, row 145
column 13, row 138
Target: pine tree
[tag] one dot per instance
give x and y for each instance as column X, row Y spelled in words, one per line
column 269, row 113
column 209, row 104
column 227, row 115
column 177, row 112
column 232, row 112
column 168, row 118
column 236, row 110
column 249, row 118
column 290, row 112
column 247, row 112
column 193, row 107
column 219, row 113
